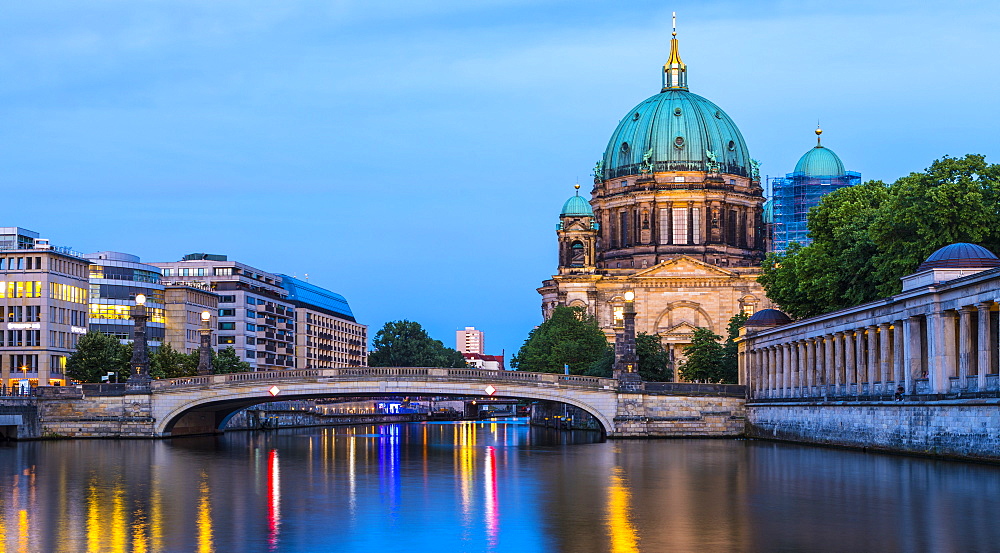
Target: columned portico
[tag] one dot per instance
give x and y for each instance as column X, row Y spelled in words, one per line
column 938, row 337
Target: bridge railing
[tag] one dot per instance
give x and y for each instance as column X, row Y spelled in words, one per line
column 348, row 373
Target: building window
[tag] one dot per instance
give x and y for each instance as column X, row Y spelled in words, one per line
column 227, row 326
column 227, row 339
column 227, row 299
column 696, row 224
column 223, row 271
column 680, row 225
column 168, row 272
column 227, row 312
column 251, row 327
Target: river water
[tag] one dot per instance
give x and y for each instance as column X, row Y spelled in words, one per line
column 471, row 487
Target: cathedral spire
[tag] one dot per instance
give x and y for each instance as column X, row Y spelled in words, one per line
column 819, row 131
column 674, row 71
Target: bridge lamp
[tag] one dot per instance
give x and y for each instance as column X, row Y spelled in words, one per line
column 205, row 346
column 139, row 373
column 630, row 296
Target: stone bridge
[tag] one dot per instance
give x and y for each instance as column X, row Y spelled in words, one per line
column 204, row 404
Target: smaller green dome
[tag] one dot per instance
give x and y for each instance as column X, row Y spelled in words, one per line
column 577, row 206
column 820, row 162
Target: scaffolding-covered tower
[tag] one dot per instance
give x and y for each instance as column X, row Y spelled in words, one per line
column 818, row 172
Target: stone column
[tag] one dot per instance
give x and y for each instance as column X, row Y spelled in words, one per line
column 885, row 353
column 850, row 361
column 940, row 350
column 810, row 376
column 913, row 363
column 898, row 363
column 795, row 351
column 775, row 372
column 839, row 358
column 872, row 361
column 786, row 370
column 827, row 364
column 965, row 353
column 985, row 345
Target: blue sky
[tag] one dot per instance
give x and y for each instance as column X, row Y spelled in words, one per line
column 414, row 155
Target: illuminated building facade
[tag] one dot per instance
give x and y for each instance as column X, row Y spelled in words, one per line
column 115, row 280
column 43, row 307
column 254, row 316
column 184, row 305
column 327, row 334
column 675, row 216
column 470, row 340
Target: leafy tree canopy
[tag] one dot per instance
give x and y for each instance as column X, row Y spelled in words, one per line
column 167, row 362
column 96, row 355
column 224, row 362
column 406, row 344
column 570, row 336
column 866, row 237
column 704, row 358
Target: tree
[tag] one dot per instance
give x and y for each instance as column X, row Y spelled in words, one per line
column 569, row 337
column 730, row 350
column 654, row 361
column 406, row 344
column 704, row 362
column 225, row 362
column 866, row 237
column 167, row 362
column 96, row 355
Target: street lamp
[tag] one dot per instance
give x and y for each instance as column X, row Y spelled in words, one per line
column 205, row 349
column 139, row 369
column 625, row 357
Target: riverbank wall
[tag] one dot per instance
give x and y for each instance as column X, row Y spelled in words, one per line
column 967, row 429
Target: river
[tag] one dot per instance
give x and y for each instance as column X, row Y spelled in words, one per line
column 484, row 487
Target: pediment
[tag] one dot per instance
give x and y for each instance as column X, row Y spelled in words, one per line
column 683, row 267
column 682, row 328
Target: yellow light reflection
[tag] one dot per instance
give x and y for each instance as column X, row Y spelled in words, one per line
column 204, row 517
column 94, row 523
column 117, row 520
column 22, row 530
column 623, row 536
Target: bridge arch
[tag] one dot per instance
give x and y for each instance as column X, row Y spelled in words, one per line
column 181, row 406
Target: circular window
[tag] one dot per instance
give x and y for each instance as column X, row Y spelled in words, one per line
column 625, row 149
column 679, row 142
column 718, row 114
column 677, row 111
column 635, row 116
column 731, row 146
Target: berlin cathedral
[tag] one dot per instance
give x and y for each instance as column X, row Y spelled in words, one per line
column 675, row 216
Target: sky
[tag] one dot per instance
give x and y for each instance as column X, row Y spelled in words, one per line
column 414, row 155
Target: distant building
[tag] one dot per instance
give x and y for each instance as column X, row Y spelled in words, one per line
column 184, row 305
column 115, row 280
column 254, row 316
column 480, row 361
column 43, row 307
column 327, row 335
column 470, row 340
column 818, row 172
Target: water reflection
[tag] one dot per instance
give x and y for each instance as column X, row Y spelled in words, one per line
column 483, row 487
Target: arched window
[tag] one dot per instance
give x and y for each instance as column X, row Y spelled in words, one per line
column 576, row 255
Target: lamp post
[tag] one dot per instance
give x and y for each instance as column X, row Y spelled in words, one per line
column 139, row 366
column 205, row 349
column 625, row 359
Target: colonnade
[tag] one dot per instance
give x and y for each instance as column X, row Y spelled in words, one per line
column 943, row 352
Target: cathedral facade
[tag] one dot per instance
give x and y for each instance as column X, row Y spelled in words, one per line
column 675, row 216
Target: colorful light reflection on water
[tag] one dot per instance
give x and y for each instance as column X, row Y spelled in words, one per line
column 484, row 487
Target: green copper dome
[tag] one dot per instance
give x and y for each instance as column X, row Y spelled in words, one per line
column 820, row 161
column 676, row 130
column 576, row 206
